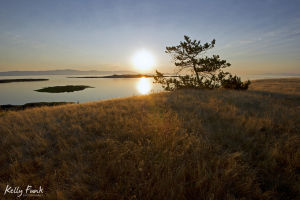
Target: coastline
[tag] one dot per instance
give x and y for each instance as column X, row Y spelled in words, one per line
column 9, row 107
column 22, row 80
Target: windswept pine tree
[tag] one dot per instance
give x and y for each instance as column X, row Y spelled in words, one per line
column 206, row 72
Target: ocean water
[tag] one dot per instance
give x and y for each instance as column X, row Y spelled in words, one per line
column 19, row 93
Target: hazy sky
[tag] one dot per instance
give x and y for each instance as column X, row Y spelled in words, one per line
column 257, row 36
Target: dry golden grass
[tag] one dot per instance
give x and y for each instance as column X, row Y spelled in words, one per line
column 180, row 145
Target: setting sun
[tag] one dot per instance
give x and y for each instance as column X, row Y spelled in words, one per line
column 143, row 59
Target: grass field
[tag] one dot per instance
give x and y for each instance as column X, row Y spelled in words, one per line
column 197, row 144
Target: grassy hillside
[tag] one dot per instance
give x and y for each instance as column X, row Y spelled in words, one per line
column 181, row 145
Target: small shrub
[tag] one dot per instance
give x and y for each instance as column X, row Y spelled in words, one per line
column 235, row 83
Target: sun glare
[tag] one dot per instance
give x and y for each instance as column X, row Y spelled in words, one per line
column 143, row 60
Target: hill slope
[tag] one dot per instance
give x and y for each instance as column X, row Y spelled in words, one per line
column 180, row 145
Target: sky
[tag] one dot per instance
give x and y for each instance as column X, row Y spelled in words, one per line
column 258, row 36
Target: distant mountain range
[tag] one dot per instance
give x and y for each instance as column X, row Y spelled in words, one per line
column 63, row 72
column 95, row 72
column 278, row 74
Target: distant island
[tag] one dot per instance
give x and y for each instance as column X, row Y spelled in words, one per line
column 22, row 80
column 118, row 76
column 62, row 72
column 61, row 89
column 122, row 76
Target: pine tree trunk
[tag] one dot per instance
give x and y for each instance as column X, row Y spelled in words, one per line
column 196, row 72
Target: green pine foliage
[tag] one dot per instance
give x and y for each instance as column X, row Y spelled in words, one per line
column 206, row 73
column 235, row 83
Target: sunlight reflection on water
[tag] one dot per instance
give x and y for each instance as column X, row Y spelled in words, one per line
column 143, row 85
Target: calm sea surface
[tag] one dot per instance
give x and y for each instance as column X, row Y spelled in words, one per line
column 19, row 93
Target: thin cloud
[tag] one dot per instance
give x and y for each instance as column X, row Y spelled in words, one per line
column 270, row 52
column 290, row 29
column 243, row 42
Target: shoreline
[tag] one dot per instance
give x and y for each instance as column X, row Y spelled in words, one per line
column 22, row 80
column 9, row 107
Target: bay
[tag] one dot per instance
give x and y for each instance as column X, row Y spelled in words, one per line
column 19, row 93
